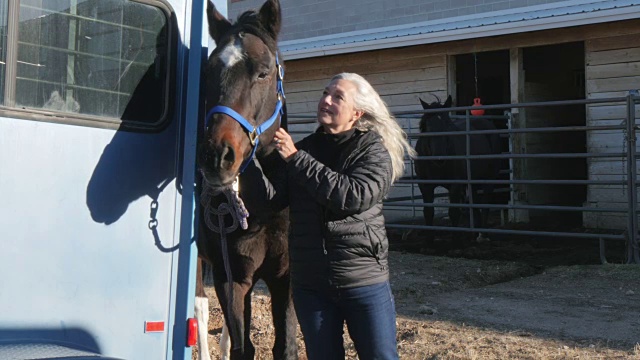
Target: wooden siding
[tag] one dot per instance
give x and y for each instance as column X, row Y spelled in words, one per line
column 399, row 78
column 402, row 75
column 612, row 69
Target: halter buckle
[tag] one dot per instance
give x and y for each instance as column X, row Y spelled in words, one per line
column 253, row 136
column 280, row 72
column 236, row 185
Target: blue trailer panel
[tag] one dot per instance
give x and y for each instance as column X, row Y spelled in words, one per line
column 98, row 118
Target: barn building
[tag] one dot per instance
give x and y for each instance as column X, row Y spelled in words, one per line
column 504, row 51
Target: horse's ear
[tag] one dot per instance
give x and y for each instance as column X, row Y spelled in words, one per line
column 425, row 106
column 447, row 104
column 270, row 17
column 218, row 24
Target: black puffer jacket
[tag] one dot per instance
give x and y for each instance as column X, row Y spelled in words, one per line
column 337, row 235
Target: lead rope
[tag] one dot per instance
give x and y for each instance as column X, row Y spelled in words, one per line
column 234, row 206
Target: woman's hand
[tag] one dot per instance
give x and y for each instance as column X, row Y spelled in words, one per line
column 284, row 144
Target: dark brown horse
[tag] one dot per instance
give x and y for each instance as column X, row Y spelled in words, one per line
column 244, row 107
column 445, row 170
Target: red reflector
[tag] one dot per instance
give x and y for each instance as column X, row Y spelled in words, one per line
column 153, row 326
column 192, row 331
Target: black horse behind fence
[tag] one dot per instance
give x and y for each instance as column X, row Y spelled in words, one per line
column 455, row 169
column 244, row 106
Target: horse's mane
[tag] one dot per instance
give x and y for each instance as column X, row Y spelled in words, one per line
column 423, row 123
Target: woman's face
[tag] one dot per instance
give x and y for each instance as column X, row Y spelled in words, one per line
column 336, row 111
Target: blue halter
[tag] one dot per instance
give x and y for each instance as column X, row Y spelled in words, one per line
column 254, row 132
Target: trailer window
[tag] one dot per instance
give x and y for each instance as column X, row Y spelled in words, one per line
column 101, row 58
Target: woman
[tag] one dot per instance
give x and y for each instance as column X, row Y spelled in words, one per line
column 336, row 180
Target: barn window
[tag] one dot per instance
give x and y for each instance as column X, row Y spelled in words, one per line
column 92, row 59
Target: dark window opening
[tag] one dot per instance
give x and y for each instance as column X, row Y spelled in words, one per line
column 484, row 75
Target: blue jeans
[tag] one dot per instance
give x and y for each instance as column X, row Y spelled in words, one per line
column 368, row 310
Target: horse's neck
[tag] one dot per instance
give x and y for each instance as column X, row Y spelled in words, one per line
column 437, row 124
column 270, row 162
column 461, row 124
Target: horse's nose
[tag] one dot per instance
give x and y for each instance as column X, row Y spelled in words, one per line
column 227, row 156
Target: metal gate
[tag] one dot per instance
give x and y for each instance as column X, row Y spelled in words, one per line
column 406, row 199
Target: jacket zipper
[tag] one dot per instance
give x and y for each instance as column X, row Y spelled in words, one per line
column 324, row 232
column 376, row 245
column 324, row 214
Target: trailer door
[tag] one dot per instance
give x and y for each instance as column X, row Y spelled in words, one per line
column 96, row 174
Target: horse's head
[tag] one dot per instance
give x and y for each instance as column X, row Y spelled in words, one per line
column 243, row 91
column 435, row 122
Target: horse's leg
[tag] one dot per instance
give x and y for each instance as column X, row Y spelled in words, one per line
column 482, row 215
column 249, row 350
column 284, row 319
column 202, row 315
column 235, row 318
column 225, row 342
column 456, row 196
column 427, row 197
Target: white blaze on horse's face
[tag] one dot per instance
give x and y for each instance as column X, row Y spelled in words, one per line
column 232, row 54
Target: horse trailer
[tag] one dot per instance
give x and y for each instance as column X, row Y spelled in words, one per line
column 99, row 110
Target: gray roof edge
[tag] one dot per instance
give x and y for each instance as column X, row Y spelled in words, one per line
column 467, row 27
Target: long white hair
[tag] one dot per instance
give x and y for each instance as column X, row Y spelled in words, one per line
column 376, row 117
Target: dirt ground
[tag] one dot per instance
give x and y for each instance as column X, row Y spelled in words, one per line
column 547, row 300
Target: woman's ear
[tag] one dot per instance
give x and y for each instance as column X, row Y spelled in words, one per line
column 358, row 114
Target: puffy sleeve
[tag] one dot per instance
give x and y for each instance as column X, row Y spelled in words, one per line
column 364, row 183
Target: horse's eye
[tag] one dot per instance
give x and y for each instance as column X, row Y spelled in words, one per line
column 263, row 75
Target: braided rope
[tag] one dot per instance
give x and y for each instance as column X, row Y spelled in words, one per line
column 234, row 206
